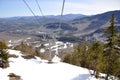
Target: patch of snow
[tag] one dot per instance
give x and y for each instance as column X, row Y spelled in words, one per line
column 18, row 53
column 65, row 46
column 47, row 44
column 37, row 69
column 10, row 41
column 56, row 59
column 29, row 38
column 10, row 45
column 42, row 50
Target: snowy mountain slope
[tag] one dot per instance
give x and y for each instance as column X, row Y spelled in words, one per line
column 37, row 69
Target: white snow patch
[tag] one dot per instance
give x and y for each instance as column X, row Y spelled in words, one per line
column 18, row 53
column 37, row 69
column 42, row 50
column 56, row 59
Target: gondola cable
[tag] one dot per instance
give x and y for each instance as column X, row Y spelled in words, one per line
column 43, row 16
column 60, row 23
column 31, row 11
column 39, row 8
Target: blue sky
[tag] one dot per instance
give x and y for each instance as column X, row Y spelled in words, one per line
column 12, row 8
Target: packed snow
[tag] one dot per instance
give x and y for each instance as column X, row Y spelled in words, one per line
column 37, row 69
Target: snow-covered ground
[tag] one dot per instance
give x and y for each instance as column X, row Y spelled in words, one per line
column 37, row 69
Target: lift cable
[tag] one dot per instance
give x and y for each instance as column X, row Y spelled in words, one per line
column 62, row 7
column 31, row 11
column 44, row 35
column 62, row 13
column 43, row 16
column 39, row 8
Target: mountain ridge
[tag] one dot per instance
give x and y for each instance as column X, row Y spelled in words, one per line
column 80, row 26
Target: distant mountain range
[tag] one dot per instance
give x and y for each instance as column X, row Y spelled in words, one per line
column 67, row 17
column 96, row 22
column 14, row 23
column 76, row 25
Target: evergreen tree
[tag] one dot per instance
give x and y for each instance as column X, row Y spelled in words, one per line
column 68, row 59
column 117, row 68
column 79, row 56
column 4, row 54
column 3, row 45
column 93, row 57
column 110, row 49
column 83, row 54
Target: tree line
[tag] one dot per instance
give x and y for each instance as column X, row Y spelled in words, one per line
column 99, row 57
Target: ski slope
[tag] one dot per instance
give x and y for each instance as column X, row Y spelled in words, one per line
column 37, row 69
